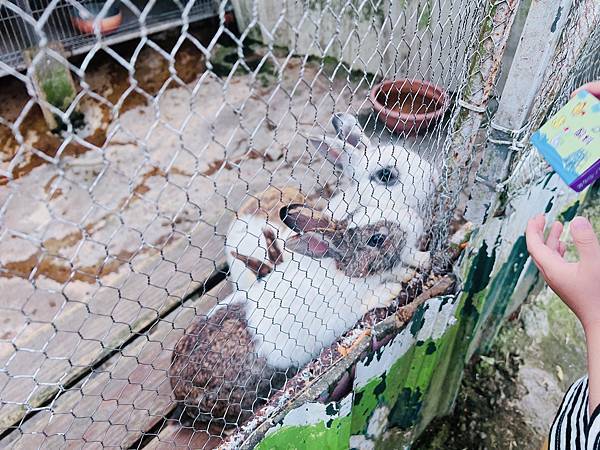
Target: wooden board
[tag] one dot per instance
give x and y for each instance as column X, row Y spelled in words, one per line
column 174, row 436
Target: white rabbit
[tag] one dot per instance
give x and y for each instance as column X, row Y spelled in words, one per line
column 329, row 276
column 229, row 362
column 388, row 178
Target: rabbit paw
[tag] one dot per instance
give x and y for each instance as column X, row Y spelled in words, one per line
column 385, row 297
column 418, row 260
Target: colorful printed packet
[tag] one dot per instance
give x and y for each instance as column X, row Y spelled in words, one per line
column 570, row 141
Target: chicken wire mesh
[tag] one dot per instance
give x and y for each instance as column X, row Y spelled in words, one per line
column 581, row 58
column 60, row 20
column 237, row 184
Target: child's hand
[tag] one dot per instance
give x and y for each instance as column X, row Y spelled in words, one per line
column 578, row 283
column 593, row 88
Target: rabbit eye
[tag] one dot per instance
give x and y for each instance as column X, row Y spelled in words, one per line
column 387, row 176
column 376, row 240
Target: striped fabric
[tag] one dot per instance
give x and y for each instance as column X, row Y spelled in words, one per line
column 573, row 429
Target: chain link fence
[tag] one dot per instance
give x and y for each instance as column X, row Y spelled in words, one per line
column 195, row 223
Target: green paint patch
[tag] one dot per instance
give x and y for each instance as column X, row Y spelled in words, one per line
column 364, row 405
column 444, row 302
column 568, row 214
column 481, row 269
column 358, row 397
column 405, row 412
column 406, row 382
column 431, row 348
column 548, row 178
column 331, row 409
column 471, row 306
column 380, row 388
column 332, row 437
column 418, row 319
column 500, row 291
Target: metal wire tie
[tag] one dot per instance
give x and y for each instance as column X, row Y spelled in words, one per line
column 517, row 135
column 514, row 144
column 497, row 187
column 472, row 107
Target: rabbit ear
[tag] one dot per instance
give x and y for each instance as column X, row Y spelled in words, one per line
column 313, row 244
column 347, row 128
column 301, row 218
column 336, row 151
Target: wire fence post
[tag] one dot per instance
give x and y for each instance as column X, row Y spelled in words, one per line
column 511, row 125
column 483, row 71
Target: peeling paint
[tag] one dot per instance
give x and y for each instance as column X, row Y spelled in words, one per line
column 556, row 19
column 569, row 213
column 415, row 376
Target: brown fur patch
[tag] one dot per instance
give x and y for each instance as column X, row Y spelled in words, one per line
column 215, row 372
column 268, row 203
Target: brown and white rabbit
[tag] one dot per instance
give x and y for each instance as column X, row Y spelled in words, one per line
column 229, row 362
column 388, row 178
column 328, row 275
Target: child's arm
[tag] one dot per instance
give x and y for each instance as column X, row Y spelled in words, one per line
column 576, row 283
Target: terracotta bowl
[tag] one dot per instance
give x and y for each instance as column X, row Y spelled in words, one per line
column 409, row 106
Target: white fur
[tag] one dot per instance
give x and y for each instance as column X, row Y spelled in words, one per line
column 304, row 304
column 293, row 316
column 246, row 237
column 418, row 181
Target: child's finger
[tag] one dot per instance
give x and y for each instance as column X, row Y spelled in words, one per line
column 562, row 248
column 554, row 236
column 539, row 251
column 592, row 87
column 585, row 240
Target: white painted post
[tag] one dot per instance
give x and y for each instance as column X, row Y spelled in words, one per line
column 543, row 28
